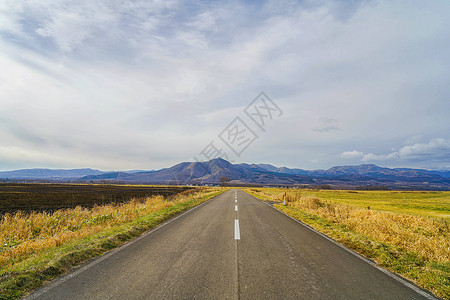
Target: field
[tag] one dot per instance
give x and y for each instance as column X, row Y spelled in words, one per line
column 405, row 232
column 39, row 245
column 51, row 197
column 432, row 204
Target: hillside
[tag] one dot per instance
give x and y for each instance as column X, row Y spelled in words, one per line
column 263, row 174
column 366, row 175
column 48, row 173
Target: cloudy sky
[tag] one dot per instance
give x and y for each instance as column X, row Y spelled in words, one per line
column 119, row 85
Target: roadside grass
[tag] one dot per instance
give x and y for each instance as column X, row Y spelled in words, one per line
column 37, row 247
column 410, row 244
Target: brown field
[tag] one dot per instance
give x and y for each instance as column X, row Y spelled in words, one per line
column 41, row 197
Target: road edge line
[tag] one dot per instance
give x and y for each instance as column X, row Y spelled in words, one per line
column 399, row 278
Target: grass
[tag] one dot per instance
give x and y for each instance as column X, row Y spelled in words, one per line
column 432, row 204
column 39, row 246
column 405, row 232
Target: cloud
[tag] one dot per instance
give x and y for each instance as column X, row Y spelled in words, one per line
column 352, row 154
column 374, row 157
column 326, row 125
column 434, row 153
column 74, row 25
column 435, row 150
column 144, row 84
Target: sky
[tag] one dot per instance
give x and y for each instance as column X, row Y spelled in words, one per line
column 123, row 84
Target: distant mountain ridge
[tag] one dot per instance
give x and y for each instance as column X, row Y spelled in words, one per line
column 194, row 172
column 48, row 173
column 266, row 174
column 259, row 174
column 373, row 172
column 40, row 173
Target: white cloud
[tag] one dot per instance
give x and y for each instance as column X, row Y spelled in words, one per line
column 133, row 84
column 326, row 125
column 352, row 154
column 439, row 148
column 434, row 153
column 373, row 157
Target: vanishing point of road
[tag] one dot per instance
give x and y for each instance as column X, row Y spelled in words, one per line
column 232, row 247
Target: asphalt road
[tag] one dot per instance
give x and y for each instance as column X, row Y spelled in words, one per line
column 207, row 254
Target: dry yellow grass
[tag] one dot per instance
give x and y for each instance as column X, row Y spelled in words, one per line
column 27, row 234
column 427, row 237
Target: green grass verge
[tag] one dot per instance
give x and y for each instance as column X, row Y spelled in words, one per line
column 429, row 275
column 43, row 267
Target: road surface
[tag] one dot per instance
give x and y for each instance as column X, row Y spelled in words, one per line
column 232, row 247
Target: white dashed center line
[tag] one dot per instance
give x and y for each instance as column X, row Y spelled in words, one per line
column 237, row 235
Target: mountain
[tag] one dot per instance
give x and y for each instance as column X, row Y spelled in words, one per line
column 265, row 174
column 367, row 175
column 206, row 172
column 367, row 171
column 48, row 173
column 381, row 174
column 284, row 170
column 445, row 174
column 61, row 173
column 138, row 171
column 268, row 167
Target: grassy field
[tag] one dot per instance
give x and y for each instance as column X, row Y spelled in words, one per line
column 50, row 197
column 432, row 204
column 37, row 246
column 405, row 232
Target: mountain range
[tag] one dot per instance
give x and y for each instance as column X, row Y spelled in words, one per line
column 55, row 174
column 48, row 173
column 265, row 174
column 211, row 172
